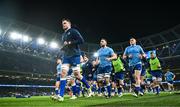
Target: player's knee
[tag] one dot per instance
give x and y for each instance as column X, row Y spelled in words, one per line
column 63, row 74
column 76, row 73
column 137, row 77
column 76, row 68
column 72, row 81
column 121, row 83
column 57, row 84
column 65, row 67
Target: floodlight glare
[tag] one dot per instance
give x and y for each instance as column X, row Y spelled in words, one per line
column 25, row 38
column 15, row 35
column 41, row 41
column 95, row 54
column 53, row 45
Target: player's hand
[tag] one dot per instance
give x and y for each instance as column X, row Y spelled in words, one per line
column 124, row 56
column 140, row 56
column 65, row 42
column 109, row 59
column 130, row 56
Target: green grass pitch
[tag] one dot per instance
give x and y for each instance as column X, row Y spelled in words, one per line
column 148, row 100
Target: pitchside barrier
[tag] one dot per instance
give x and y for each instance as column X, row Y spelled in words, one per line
column 42, row 86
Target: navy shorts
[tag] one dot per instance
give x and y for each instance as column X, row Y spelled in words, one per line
column 106, row 69
column 135, row 67
column 143, row 72
column 156, row 73
column 119, row 76
column 104, row 72
column 73, row 60
column 170, row 82
column 89, row 77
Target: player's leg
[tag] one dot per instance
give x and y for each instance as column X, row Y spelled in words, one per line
column 168, row 84
column 78, row 75
column 107, row 74
column 108, row 84
column 100, row 83
column 137, row 74
column 121, row 83
column 158, row 81
column 172, row 86
column 94, row 87
column 73, row 88
column 132, row 80
column 142, row 77
column 63, row 81
column 113, row 85
column 76, row 70
column 55, row 96
column 57, row 87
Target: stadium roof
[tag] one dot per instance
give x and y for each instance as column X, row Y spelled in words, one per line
column 107, row 19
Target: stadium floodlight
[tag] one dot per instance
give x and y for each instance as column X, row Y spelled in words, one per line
column 15, row 35
column 25, row 38
column 53, row 45
column 41, row 41
column 95, row 54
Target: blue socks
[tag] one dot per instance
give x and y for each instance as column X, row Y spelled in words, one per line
column 119, row 90
column 109, row 89
column 83, row 80
column 157, row 89
column 56, row 91
column 73, row 87
column 136, row 90
column 94, row 88
column 62, row 86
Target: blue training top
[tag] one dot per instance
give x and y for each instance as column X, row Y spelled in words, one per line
column 104, row 53
column 134, row 51
column 169, row 76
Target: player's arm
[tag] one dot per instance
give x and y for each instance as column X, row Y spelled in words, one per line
column 142, row 55
column 64, row 43
column 81, row 59
column 97, row 61
column 113, row 55
column 174, row 76
column 165, row 76
column 77, row 38
column 125, row 54
column 159, row 64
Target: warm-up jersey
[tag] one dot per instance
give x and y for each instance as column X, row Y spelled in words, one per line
column 103, row 53
column 134, row 51
column 169, row 76
column 73, row 36
column 118, row 65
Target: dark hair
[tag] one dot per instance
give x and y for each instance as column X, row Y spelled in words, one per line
column 66, row 19
column 104, row 39
column 151, row 52
column 131, row 38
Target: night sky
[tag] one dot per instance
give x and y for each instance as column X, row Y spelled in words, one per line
column 111, row 20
